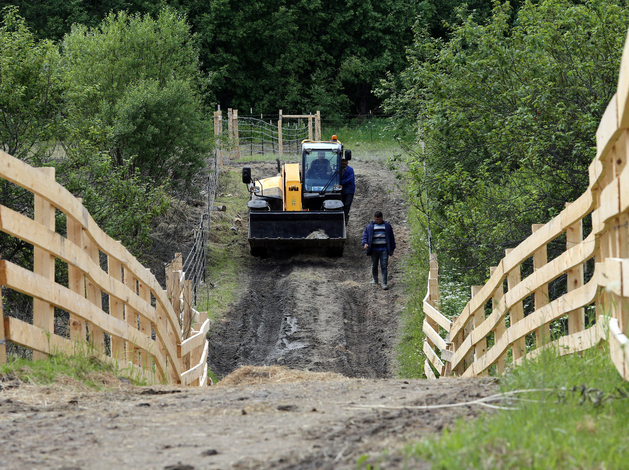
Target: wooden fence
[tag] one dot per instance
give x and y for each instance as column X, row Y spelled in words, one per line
column 147, row 331
column 493, row 329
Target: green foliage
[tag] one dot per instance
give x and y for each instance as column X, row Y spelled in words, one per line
column 508, row 111
column 122, row 204
column 134, row 82
column 301, row 55
column 577, row 422
column 29, row 90
column 53, row 19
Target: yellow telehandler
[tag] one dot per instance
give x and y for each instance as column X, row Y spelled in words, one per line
column 300, row 206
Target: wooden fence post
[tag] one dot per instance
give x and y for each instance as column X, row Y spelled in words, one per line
column 318, row 126
column 574, row 236
column 516, row 312
column 131, row 316
column 501, row 327
column 621, row 235
column 236, row 135
column 76, row 281
column 280, row 141
column 540, row 258
column 479, row 317
column 94, row 295
column 230, row 130
column 44, row 265
column 145, row 325
column 116, row 308
column 218, row 131
column 310, row 135
column 3, row 337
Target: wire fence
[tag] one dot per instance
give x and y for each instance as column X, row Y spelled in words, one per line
column 249, row 135
column 195, row 262
column 259, row 137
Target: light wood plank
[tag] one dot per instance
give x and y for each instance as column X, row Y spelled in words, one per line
column 619, row 348
column 76, row 278
column 196, row 340
column 36, row 286
column 540, row 259
column 3, row 338
column 94, row 295
column 196, row 371
column 576, row 318
column 434, row 336
column 433, row 358
column 435, row 315
column 26, row 229
column 44, row 263
column 116, row 307
column 23, row 175
column 430, row 375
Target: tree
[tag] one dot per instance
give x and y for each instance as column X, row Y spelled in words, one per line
column 508, row 111
column 133, row 84
column 29, row 89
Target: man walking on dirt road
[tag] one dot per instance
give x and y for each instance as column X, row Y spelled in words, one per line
column 349, row 187
column 379, row 242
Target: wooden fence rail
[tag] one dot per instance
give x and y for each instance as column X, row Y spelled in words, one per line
column 494, row 327
column 147, row 331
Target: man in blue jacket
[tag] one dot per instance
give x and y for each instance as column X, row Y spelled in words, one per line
column 379, row 242
column 349, row 187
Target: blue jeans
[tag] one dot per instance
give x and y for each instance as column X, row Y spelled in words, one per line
column 347, row 202
column 383, row 257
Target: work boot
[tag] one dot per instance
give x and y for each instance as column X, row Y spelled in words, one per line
column 384, row 285
column 374, row 281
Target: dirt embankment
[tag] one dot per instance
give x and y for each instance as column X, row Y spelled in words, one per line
column 299, row 311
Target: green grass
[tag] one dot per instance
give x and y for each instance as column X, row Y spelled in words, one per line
column 580, row 423
column 228, row 249
column 87, row 370
column 410, row 354
column 368, row 140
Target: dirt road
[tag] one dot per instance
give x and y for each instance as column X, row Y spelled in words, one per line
column 305, row 312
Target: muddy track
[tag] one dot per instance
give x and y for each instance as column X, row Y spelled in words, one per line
column 307, row 311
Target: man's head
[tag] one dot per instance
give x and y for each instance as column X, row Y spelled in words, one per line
column 344, row 163
column 321, row 155
column 377, row 217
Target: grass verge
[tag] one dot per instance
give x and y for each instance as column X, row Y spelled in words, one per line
column 577, row 422
column 228, row 249
column 84, row 371
column 410, row 347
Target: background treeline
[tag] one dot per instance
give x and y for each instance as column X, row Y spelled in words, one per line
column 297, row 55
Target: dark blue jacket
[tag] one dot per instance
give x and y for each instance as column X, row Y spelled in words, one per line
column 368, row 237
column 347, row 181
